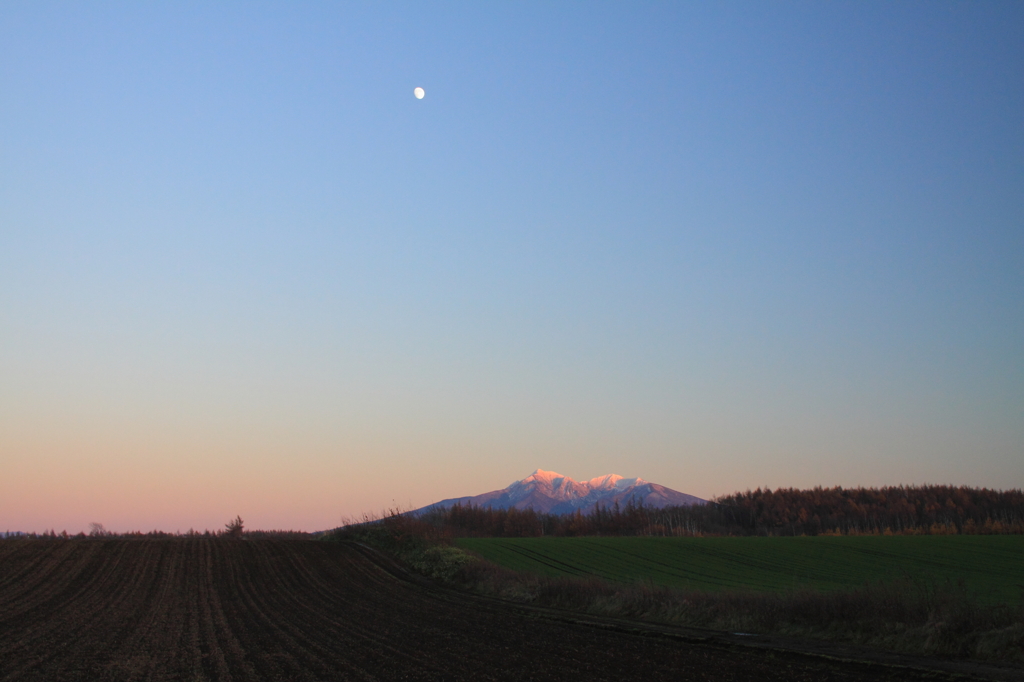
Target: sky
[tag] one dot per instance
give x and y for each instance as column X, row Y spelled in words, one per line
column 719, row 246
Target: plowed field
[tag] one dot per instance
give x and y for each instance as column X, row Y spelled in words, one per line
column 218, row 609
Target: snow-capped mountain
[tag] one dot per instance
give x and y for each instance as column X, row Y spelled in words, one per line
column 547, row 491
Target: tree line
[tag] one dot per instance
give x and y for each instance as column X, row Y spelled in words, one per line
column 232, row 529
column 896, row 510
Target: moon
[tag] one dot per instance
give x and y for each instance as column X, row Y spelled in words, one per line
column 419, row 92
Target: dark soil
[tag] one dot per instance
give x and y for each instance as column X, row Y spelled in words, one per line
column 270, row 609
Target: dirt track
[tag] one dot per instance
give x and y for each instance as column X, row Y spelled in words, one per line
column 219, row 609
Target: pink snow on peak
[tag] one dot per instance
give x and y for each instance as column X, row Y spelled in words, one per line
column 614, row 481
column 552, row 492
column 558, row 481
column 541, row 475
column 608, row 481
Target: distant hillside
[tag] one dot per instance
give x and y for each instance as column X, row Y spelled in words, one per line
column 552, row 493
column 898, row 510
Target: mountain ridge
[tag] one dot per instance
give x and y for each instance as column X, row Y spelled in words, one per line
column 552, row 493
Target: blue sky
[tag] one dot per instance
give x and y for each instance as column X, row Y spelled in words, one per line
column 244, row 270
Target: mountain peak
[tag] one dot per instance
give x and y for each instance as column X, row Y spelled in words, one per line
column 542, row 475
column 606, row 482
column 552, row 492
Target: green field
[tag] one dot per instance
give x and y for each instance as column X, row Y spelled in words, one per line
column 991, row 565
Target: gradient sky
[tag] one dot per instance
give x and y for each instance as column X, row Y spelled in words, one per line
column 716, row 245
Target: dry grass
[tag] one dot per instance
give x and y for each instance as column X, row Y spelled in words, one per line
column 905, row 616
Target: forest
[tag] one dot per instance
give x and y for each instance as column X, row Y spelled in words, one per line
column 895, row 510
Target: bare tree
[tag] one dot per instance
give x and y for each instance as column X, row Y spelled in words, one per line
column 97, row 529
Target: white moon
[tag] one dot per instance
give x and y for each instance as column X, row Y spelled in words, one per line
column 419, row 92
